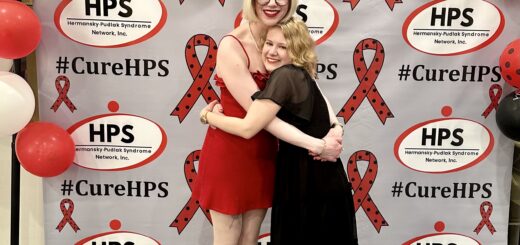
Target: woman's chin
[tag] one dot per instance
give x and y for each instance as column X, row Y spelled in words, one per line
column 272, row 67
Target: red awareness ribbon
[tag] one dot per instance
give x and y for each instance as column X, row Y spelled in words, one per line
column 221, row 2
column 485, row 214
column 184, row 217
column 494, row 97
column 200, row 75
column 390, row 3
column 62, row 91
column 363, row 185
column 67, row 215
column 367, row 78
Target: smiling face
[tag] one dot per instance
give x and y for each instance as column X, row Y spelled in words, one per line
column 271, row 13
column 275, row 52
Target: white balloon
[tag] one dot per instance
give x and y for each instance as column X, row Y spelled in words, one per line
column 16, row 103
column 6, row 64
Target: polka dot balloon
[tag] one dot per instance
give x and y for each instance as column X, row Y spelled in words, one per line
column 510, row 64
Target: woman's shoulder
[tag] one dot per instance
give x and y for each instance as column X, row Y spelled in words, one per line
column 237, row 34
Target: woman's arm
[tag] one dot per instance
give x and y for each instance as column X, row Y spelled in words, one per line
column 232, row 67
column 260, row 113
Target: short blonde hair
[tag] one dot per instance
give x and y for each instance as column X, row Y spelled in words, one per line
column 249, row 13
column 300, row 45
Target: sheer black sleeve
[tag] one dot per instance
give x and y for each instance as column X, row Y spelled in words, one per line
column 289, row 87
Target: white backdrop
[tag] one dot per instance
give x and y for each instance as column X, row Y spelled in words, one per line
column 413, row 82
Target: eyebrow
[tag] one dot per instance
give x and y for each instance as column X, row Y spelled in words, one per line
column 269, row 40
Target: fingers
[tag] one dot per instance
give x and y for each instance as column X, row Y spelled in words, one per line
column 211, row 105
column 219, row 108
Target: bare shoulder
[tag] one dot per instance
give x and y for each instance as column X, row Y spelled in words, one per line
column 230, row 51
column 234, row 39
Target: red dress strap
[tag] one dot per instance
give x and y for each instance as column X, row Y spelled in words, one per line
column 241, row 45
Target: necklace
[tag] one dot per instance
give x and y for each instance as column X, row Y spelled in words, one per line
column 253, row 36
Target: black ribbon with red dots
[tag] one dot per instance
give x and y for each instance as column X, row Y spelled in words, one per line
column 191, row 207
column 486, row 214
column 390, row 3
column 363, row 185
column 367, row 78
column 221, row 2
column 494, row 97
column 62, row 91
column 200, row 75
column 67, row 215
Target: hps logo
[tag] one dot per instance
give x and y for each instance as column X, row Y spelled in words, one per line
column 453, row 27
column 110, row 23
column 117, row 237
column 443, row 145
column 115, row 142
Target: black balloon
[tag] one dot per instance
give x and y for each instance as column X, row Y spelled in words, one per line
column 508, row 116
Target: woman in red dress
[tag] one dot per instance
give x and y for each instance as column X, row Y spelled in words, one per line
column 236, row 176
column 313, row 201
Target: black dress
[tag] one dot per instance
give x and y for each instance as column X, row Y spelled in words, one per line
column 312, row 199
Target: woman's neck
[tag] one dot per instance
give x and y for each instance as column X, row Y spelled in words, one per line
column 258, row 30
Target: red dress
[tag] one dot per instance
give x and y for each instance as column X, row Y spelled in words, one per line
column 236, row 175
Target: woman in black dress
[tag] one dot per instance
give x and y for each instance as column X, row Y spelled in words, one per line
column 313, row 199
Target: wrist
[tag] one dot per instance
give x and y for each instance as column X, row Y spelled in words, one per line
column 337, row 124
column 204, row 117
column 323, row 145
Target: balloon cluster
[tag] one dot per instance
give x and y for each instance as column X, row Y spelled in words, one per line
column 508, row 111
column 43, row 149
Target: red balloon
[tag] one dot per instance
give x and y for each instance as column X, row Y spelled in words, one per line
column 20, row 30
column 44, row 149
column 510, row 63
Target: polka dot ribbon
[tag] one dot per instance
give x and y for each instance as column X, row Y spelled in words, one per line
column 62, row 91
column 200, row 75
column 486, row 214
column 363, row 185
column 67, row 215
column 367, row 78
column 390, row 3
column 494, row 97
column 221, row 2
column 191, row 207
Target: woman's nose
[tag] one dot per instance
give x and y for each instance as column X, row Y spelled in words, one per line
column 273, row 50
column 272, row 2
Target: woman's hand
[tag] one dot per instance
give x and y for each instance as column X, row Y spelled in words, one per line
column 337, row 132
column 332, row 146
column 217, row 109
column 204, row 112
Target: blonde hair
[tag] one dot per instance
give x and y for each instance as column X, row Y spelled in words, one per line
column 300, row 45
column 249, row 13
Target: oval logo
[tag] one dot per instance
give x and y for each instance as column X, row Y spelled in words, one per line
column 110, row 24
column 453, row 27
column 118, row 237
column 320, row 17
column 115, row 142
column 443, row 145
column 444, row 238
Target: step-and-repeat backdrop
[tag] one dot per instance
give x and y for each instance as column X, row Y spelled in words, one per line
column 416, row 84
